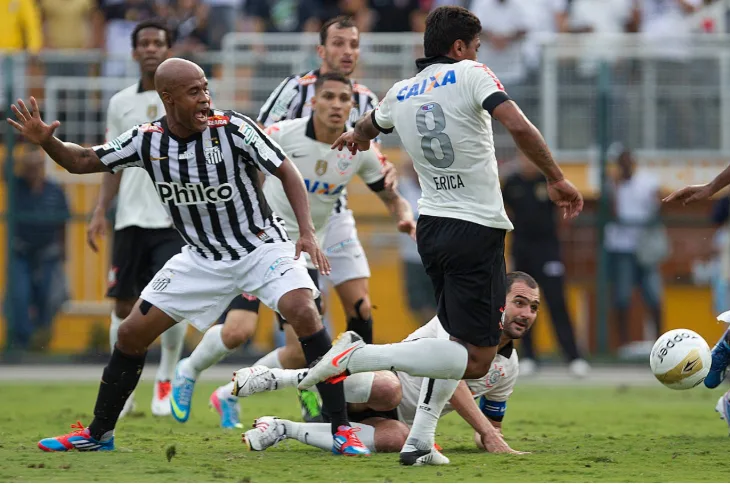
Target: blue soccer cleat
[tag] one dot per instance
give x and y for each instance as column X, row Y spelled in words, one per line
column 346, row 442
column 181, row 395
column 720, row 361
column 80, row 439
column 228, row 410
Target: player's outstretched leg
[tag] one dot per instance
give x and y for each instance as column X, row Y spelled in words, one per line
column 170, row 350
column 119, row 379
column 298, row 308
column 427, row 357
column 720, row 360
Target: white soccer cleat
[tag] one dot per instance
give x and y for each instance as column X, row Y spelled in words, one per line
column 334, row 362
column 161, row 399
column 579, row 368
column 424, row 458
column 256, row 379
column 723, row 407
column 266, row 432
column 129, row 406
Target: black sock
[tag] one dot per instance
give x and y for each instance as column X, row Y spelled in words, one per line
column 360, row 325
column 118, row 381
column 333, row 396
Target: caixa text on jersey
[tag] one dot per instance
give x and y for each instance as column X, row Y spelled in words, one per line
column 193, row 193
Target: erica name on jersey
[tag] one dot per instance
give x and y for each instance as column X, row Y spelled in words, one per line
column 448, row 182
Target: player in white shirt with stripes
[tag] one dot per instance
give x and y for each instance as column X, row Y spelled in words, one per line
column 205, row 166
column 383, row 403
column 144, row 237
column 326, row 173
column 443, row 116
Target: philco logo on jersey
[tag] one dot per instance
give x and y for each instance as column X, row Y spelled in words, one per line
column 427, row 85
column 217, row 121
column 322, row 188
column 193, row 193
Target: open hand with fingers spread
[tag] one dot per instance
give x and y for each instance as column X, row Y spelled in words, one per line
column 29, row 123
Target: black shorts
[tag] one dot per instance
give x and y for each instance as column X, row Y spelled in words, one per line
column 465, row 262
column 247, row 302
column 137, row 255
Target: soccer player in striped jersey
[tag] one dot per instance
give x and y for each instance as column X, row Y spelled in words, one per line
column 144, row 237
column 204, row 164
column 339, row 50
column 384, row 403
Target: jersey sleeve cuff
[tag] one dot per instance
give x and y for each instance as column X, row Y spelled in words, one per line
column 377, row 186
column 494, row 100
column 375, row 123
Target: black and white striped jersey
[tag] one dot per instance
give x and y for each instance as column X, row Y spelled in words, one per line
column 292, row 99
column 208, row 182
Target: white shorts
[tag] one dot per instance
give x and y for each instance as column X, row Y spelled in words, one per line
column 192, row 287
column 343, row 249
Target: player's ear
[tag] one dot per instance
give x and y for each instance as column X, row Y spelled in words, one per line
column 166, row 97
column 320, row 51
column 314, row 100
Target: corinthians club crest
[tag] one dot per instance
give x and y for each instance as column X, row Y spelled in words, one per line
column 344, row 160
column 320, row 168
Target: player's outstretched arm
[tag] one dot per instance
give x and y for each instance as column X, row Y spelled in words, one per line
column 72, row 157
column 529, row 140
column 695, row 193
column 296, row 193
column 97, row 225
column 466, row 407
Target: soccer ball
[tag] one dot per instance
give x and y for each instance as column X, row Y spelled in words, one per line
column 680, row 359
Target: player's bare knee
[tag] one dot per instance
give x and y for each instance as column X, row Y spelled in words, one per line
column 390, row 436
column 127, row 340
column 298, row 309
column 237, row 329
column 362, row 308
column 386, row 392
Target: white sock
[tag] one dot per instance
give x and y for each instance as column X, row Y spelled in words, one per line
column 320, row 434
column 423, row 430
column 270, row 360
column 358, row 387
column 171, row 348
column 288, row 378
column 427, row 357
column 226, row 391
column 209, row 351
column 113, row 330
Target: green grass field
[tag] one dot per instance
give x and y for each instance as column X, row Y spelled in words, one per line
column 575, row 434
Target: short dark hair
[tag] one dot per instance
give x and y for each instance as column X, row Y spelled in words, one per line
column 446, row 25
column 331, row 76
column 153, row 23
column 519, row 276
column 341, row 22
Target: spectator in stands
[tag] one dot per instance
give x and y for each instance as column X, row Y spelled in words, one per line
column 279, row 15
column 536, row 250
column 36, row 255
column 400, row 15
column 114, row 22
column 418, row 286
column 223, row 18
column 637, row 243
column 189, row 21
column 504, row 28
column 20, row 29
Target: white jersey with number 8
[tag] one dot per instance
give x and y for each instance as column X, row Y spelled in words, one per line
column 442, row 116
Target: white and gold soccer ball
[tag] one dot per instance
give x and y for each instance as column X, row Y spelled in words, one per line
column 680, row 359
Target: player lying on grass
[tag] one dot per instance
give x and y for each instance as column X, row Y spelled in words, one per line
column 384, row 402
column 326, row 173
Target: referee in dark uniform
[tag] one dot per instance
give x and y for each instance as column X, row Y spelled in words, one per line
column 536, row 251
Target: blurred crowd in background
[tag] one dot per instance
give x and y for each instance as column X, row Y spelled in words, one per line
column 636, row 239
